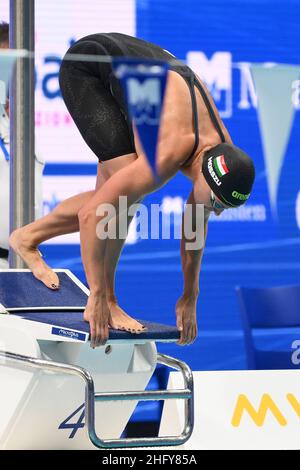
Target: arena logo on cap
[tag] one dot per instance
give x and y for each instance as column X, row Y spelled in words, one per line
column 241, row 197
column 220, row 166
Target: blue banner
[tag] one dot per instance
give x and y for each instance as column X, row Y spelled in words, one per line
column 144, row 84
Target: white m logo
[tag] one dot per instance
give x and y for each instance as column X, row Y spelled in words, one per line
column 216, row 73
column 145, row 100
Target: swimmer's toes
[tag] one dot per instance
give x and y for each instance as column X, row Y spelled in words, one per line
column 138, row 327
column 120, row 320
column 136, row 331
column 47, row 277
column 143, row 330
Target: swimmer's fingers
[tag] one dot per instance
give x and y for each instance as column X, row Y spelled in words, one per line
column 188, row 333
column 92, row 332
column 186, row 320
column 192, row 331
column 99, row 331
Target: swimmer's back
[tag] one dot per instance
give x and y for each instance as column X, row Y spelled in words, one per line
column 118, row 44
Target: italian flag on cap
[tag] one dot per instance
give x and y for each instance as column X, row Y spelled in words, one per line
column 220, row 165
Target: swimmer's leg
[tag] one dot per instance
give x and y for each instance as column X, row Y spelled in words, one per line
column 62, row 220
column 112, row 254
column 113, row 249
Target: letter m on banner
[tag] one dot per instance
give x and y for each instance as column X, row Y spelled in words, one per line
column 216, row 72
column 145, row 100
column 257, row 416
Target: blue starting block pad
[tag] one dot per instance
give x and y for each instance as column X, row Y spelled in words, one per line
column 21, row 291
column 61, row 321
column 58, row 315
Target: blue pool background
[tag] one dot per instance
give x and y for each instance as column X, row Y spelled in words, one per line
column 246, row 253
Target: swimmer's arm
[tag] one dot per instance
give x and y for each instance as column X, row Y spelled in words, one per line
column 135, row 181
column 191, row 259
column 186, row 315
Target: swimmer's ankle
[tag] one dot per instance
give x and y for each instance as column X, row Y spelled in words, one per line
column 111, row 299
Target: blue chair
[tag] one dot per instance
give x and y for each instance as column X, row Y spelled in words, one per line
column 271, row 322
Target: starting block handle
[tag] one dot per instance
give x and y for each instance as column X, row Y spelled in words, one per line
column 187, row 394
column 144, row 396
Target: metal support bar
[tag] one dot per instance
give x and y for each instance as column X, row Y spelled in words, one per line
column 21, row 103
column 149, row 395
column 187, row 394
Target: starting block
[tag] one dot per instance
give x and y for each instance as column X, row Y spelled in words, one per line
column 49, row 372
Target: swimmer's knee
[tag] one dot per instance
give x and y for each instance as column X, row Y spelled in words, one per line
column 85, row 214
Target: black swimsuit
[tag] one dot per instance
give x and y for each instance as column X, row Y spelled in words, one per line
column 94, row 96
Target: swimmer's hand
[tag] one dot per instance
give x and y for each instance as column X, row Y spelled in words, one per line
column 97, row 313
column 186, row 320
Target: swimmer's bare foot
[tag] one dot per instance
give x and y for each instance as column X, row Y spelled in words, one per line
column 31, row 256
column 121, row 321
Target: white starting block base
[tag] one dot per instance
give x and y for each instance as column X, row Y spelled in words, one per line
column 36, row 406
column 58, row 393
column 240, row 410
